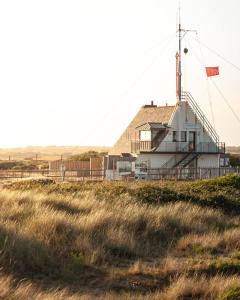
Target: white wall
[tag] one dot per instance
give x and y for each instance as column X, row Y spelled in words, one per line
column 155, row 160
column 185, row 120
column 158, row 160
column 208, row 161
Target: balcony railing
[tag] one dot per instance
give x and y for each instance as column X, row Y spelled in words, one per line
column 183, row 147
column 139, row 146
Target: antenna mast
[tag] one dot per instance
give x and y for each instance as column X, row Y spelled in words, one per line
column 179, row 56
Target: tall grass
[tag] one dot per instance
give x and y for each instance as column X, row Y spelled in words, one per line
column 126, row 241
column 59, row 226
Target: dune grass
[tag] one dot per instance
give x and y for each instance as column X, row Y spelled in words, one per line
column 146, row 240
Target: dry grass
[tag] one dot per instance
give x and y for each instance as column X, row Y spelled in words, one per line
column 46, row 153
column 101, row 230
column 182, row 288
column 226, row 242
column 10, row 289
column 200, row 288
column 86, row 246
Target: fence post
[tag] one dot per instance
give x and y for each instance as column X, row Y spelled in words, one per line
column 90, row 167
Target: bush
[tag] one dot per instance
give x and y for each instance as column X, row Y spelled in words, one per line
column 225, row 267
column 221, row 193
column 85, row 156
column 231, row 294
column 235, row 160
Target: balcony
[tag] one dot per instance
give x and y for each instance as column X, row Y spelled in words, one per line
column 177, row 147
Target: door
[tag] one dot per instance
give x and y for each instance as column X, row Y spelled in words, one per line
column 192, row 140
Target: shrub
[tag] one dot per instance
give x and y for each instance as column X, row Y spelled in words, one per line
column 235, row 160
column 231, row 294
column 222, row 193
column 225, row 267
column 24, row 255
column 77, row 260
column 85, row 156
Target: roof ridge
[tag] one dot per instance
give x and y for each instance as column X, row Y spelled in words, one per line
column 164, row 106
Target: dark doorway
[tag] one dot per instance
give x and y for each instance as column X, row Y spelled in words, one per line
column 192, row 140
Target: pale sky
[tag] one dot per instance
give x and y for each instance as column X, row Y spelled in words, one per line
column 75, row 72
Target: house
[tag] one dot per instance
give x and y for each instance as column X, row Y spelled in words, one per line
column 170, row 138
column 178, row 136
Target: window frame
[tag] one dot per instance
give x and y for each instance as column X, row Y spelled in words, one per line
column 147, row 137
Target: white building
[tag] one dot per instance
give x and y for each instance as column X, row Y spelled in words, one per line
column 177, row 136
column 171, row 137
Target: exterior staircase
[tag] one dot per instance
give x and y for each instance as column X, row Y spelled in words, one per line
column 186, row 160
column 159, row 138
column 180, row 160
column 201, row 116
column 183, row 160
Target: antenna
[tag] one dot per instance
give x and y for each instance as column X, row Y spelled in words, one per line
column 179, row 12
column 179, row 54
column 179, row 57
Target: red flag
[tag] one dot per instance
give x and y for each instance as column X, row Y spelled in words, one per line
column 212, row 71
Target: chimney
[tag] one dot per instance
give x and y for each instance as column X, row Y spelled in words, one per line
column 149, row 105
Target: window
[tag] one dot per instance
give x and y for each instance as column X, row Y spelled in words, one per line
column 183, row 136
column 179, row 136
column 175, row 136
column 141, row 166
column 124, row 166
column 145, row 135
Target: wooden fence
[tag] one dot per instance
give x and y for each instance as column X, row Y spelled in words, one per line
column 20, row 174
column 100, row 174
column 72, row 175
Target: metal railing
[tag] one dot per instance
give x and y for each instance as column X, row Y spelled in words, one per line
column 188, row 149
column 201, row 116
column 210, row 147
column 182, row 147
column 100, row 175
column 189, row 173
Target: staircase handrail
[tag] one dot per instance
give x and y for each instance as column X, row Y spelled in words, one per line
column 218, row 148
column 207, row 125
column 173, row 159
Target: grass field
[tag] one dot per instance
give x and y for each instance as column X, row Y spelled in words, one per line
column 55, row 152
column 120, row 240
column 46, row 153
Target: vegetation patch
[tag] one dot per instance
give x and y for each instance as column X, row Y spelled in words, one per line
column 20, row 165
column 120, row 240
column 85, row 156
column 121, row 252
column 222, row 193
column 231, row 294
column 229, row 267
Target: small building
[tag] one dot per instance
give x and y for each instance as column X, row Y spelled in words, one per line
column 178, row 136
column 172, row 138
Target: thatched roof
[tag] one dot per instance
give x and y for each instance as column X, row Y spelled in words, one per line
column 147, row 114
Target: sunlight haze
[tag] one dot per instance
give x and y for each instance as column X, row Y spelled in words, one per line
column 76, row 72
